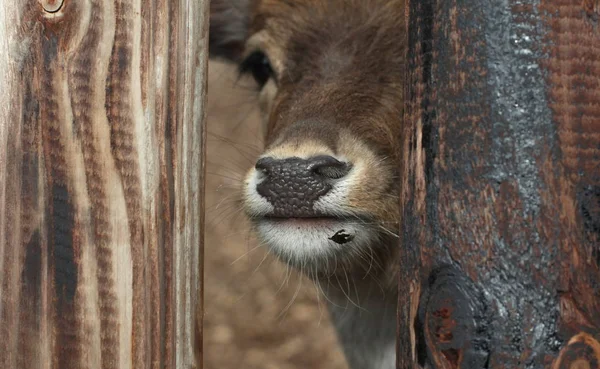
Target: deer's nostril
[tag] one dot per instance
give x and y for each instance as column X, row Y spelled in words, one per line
column 266, row 164
column 328, row 166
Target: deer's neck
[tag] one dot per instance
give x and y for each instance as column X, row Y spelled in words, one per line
column 366, row 327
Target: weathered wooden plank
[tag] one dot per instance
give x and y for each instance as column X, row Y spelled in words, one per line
column 102, row 116
column 501, row 196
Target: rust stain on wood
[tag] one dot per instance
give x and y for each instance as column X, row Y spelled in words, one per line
column 91, row 181
column 592, row 8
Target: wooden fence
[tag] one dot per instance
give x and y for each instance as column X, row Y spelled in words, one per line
column 102, row 132
column 501, row 193
column 101, row 183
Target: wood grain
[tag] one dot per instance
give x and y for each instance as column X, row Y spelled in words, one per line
column 501, row 191
column 102, row 139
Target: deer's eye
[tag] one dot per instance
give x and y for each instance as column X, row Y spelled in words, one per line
column 259, row 66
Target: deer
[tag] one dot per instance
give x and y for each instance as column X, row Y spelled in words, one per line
column 323, row 195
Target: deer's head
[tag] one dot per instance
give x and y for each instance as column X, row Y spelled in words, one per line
column 323, row 194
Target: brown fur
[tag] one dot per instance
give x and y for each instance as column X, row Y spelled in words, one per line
column 354, row 81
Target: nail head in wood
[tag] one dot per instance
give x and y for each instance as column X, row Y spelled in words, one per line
column 51, row 6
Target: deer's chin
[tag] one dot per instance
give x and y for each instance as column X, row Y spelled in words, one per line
column 315, row 243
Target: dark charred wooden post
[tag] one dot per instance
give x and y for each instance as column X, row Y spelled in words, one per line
column 501, row 192
column 101, row 183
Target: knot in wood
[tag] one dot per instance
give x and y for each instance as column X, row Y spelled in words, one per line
column 51, row 6
column 582, row 352
column 580, row 364
column 454, row 321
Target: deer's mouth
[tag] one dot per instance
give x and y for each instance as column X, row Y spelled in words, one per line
column 302, row 221
column 327, row 222
column 314, row 238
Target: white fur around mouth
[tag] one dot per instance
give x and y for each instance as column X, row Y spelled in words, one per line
column 312, row 240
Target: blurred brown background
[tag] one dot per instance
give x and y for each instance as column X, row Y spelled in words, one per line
column 258, row 314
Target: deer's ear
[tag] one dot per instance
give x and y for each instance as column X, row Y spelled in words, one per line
column 229, row 25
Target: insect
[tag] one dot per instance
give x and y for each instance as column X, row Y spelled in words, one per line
column 342, row 237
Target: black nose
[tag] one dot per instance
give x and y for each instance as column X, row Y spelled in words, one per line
column 293, row 185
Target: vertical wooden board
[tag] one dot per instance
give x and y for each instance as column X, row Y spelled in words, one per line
column 500, row 196
column 102, row 136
